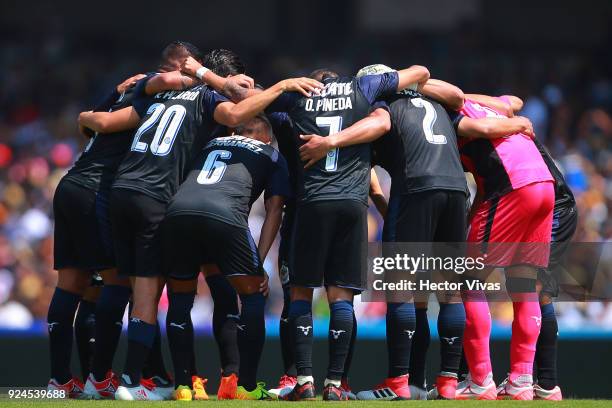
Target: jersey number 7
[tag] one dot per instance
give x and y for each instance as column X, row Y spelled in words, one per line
column 334, row 124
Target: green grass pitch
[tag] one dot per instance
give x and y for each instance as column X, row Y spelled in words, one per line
column 313, row 404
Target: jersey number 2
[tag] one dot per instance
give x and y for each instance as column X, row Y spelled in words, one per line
column 166, row 131
column 428, row 121
column 334, row 123
column 213, row 168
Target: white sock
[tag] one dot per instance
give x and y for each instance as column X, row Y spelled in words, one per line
column 303, row 379
column 335, row 383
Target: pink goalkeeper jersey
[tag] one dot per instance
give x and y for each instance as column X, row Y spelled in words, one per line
column 500, row 165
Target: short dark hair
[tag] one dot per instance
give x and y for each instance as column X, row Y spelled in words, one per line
column 177, row 50
column 322, row 74
column 224, row 62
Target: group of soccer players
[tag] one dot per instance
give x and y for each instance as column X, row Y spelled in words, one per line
column 163, row 192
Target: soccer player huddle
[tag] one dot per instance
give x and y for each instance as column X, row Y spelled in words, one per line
column 162, row 194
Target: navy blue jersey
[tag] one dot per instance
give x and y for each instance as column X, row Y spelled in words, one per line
column 420, row 152
column 228, row 176
column 287, row 145
column 98, row 163
column 345, row 172
column 563, row 194
column 174, row 126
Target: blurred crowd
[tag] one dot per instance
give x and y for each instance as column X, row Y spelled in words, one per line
column 39, row 141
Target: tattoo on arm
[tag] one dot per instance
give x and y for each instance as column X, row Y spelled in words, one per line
column 234, row 92
column 184, row 83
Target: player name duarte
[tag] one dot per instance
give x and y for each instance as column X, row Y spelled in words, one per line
column 429, row 286
column 323, row 102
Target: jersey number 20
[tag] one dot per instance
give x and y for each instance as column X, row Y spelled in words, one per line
column 428, row 121
column 166, row 131
column 213, row 168
column 334, row 123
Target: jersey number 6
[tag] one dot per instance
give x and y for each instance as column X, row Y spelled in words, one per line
column 213, row 168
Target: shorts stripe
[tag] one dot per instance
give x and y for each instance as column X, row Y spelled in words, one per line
column 254, row 254
column 489, row 224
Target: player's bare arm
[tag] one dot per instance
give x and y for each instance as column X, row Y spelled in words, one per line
column 110, row 122
column 516, row 103
column 271, row 224
column 231, row 114
column 446, row 93
column 493, row 128
column 128, row 83
column 236, row 88
column 366, row 130
column 492, row 102
column 170, row 81
column 376, row 194
column 414, row 77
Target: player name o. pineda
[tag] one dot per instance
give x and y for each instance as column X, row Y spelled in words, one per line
column 429, row 286
column 321, row 102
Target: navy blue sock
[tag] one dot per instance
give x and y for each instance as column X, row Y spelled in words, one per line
column 109, row 322
column 84, row 333
column 339, row 337
column 420, row 345
column 400, row 333
column 349, row 358
column 60, row 319
column 251, row 337
column 179, row 329
column 451, row 322
column 286, row 339
column 141, row 336
column 154, row 364
column 224, row 324
column 463, row 367
column 546, row 348
column 300, row 317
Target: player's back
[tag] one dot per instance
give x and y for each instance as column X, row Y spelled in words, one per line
column 504, row 164
column 101, row 157
column 228, row 176
column 344, row 173
column 420, row 152
column 174, row 125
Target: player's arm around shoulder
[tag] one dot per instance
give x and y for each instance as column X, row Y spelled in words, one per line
column 169, row 81
column 110, row 122
column 449, row 95
column 233, row 114
column 413, row 78
column 494, row 128
column 365, row 130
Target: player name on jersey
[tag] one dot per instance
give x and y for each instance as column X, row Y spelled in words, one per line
column 322, row 102
column 184, row 95
column 238, row 141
